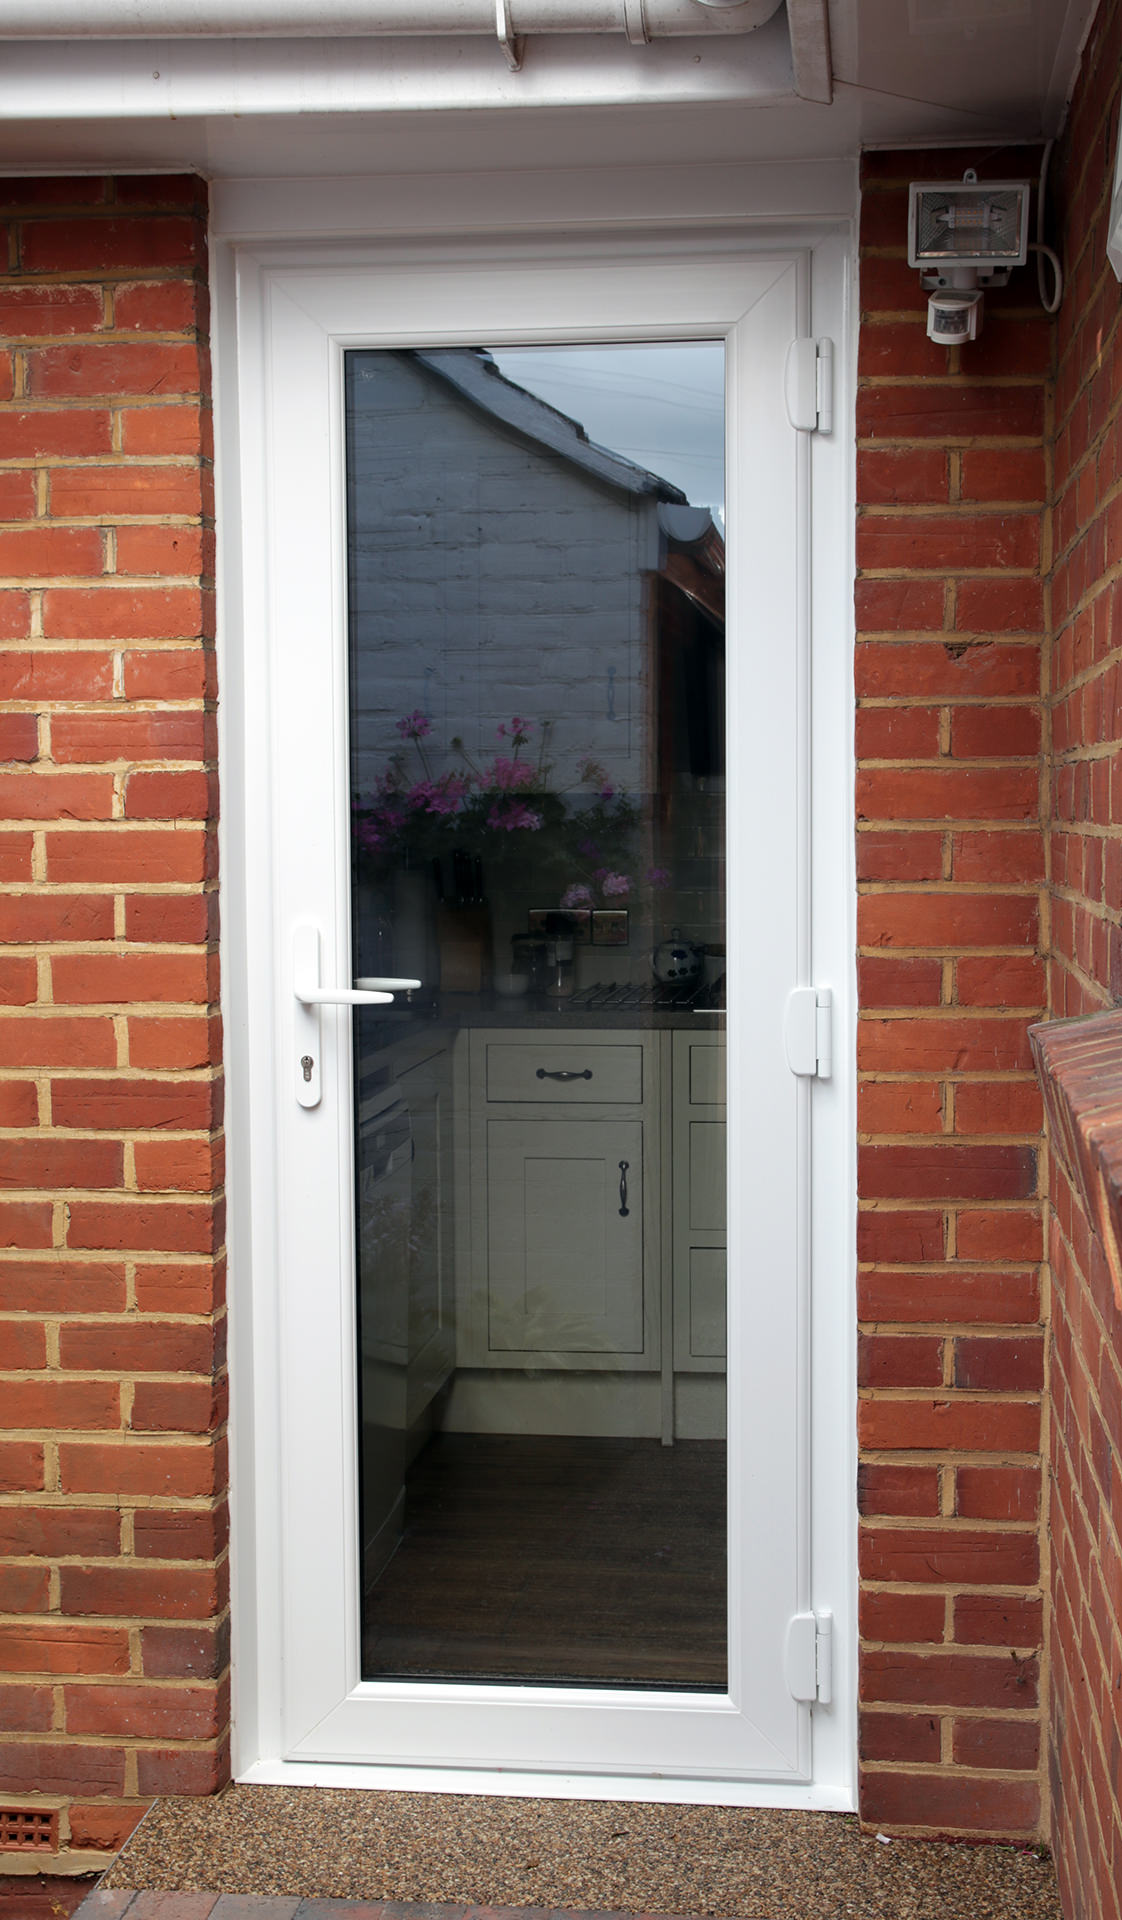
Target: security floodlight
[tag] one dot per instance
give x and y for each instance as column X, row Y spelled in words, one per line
column 965, row 235
column 963, row 224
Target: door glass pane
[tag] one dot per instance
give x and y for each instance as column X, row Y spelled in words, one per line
column 537, row 741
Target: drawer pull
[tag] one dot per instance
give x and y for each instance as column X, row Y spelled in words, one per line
column 624, row 1209
column 563, row 1073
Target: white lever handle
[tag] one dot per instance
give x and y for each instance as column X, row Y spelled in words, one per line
column 371, row 991
column 340, row 997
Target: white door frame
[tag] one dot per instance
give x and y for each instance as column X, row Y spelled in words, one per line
column 825, row 1777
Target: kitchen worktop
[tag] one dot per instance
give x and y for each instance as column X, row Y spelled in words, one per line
column 463, row 1010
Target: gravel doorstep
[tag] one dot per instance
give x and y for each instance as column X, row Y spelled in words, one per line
column 413, row 1855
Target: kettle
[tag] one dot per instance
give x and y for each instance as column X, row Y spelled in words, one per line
column 678, row 960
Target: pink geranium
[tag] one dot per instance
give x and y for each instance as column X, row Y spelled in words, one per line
column 509, row 776
column 511, row 814
column 443, row 796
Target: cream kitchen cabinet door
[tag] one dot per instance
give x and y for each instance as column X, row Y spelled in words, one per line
column 564, row 1245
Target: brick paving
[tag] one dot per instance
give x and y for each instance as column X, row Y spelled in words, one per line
column 122, row 1904
column 41, row 1896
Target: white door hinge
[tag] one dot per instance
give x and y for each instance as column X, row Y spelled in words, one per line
column 808, row 1031
column 808, row 1657
column 809, row 385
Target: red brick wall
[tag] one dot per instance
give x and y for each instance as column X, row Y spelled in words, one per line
column 951, row 487
column 1084, row 1720
column 112, row 1510
column 112, row 1514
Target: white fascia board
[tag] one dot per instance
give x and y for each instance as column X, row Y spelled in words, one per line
column 189, row 79
column 329, row 19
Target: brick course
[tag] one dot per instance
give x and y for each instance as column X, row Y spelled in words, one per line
column 112, row 1478
column 951, row 486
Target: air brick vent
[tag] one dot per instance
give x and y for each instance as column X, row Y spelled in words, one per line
column 28, row 1830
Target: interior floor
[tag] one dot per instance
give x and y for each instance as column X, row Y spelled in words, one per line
column 571, row 1560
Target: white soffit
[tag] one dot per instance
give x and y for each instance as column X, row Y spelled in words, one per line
column 1012, row 60
column 904, row 72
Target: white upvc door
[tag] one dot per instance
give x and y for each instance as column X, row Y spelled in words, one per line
column 297, row 315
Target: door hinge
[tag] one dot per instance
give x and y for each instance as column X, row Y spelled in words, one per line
column 808, row 1031
column 809, row 385
column 808, row 1657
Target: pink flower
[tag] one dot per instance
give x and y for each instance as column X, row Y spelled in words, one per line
column 512, row 814
column 415, row 725
column 614, row 885
column 449, row 793
column 577, row 896
column 508, row 775
column 519, row 730
column 441, row 796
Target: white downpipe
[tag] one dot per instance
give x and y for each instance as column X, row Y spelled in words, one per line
column 212, row 19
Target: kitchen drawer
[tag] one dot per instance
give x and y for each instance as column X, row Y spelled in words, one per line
column 707, row 1073
column 568, row 1073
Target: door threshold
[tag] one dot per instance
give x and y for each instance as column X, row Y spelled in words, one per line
column 810, row 1796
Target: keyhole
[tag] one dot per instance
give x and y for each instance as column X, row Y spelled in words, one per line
column 307, row 1063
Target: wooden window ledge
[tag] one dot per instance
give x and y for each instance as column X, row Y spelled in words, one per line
column 1079, row 1066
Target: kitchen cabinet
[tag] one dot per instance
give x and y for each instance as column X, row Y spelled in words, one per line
column 565, row 1238
column 562, row 1260
column 431, row 1344
column 698, row 1191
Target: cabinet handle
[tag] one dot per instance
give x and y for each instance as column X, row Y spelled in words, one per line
column 623, row 1206
column 563, row 1073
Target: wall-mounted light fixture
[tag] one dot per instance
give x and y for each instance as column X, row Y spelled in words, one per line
column 964, row 236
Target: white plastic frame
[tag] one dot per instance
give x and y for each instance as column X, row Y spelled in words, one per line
column 284, row 277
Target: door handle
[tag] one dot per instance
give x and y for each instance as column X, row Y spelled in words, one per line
column 343, row 996
column 376, row 991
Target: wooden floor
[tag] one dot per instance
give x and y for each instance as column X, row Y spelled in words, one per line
column 571, row 1560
